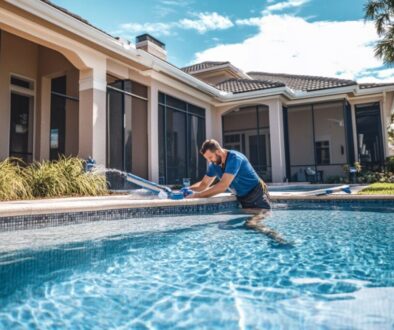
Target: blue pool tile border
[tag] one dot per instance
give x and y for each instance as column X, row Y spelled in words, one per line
column 36, row 221
column 348, row 204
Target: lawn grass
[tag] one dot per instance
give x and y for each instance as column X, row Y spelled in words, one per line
column 378, row 189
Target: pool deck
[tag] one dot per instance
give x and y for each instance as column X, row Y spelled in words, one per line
column 82, row 204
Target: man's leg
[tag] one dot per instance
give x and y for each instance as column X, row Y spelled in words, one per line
column 256, row 222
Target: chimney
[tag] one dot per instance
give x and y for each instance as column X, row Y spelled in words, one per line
column 151, row 45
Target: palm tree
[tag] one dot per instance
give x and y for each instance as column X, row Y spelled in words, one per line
column 382, row 13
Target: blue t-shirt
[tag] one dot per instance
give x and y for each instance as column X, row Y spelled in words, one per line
column 245, row 177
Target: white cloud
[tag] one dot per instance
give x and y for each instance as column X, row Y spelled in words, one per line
column 206, row 22
column 202, row 23
column 386, row 73
column 252, row 21
column 284, row 5
column 288, row 44
column 153, row 28
column 177, row 3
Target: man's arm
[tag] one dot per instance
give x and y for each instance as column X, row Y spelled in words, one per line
column 218, row 188
column 203, row 184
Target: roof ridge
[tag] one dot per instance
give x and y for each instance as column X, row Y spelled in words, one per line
column 251, row 81
column 290, row 75
column 206, row 62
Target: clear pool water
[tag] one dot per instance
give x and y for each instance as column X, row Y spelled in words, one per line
column 204, row 272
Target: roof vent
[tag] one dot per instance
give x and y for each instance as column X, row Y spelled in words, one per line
column 151, row 45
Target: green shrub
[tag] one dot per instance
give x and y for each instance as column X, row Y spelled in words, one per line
column 79, row 182
column 65, row 177
column 13, row 181
column 390, row 164
column 371, row 177
column 46, row 180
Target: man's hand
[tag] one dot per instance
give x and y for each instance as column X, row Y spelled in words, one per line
column 194, row 195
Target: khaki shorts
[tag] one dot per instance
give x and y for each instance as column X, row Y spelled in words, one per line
column 257, row 198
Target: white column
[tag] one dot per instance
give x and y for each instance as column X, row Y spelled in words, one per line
column 278, row 161
column 92, row 113
column 153, row 134
column 45, row 120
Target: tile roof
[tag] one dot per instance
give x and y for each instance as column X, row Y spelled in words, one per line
column 372, row 85
column 246, row 85
column 303, row 83
column 202, row 66
column 79, row 18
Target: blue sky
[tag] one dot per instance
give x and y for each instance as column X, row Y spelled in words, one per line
column 317, row 37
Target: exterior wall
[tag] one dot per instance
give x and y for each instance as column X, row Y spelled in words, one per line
column 245, row 119
column 301, row 136
column 52, row 64
column 27, row 59
column 329, row 126
column 18, row 56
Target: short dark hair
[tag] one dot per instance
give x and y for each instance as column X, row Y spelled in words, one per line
column 211, row 145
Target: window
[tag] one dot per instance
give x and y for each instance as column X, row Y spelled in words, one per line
column 232, row 141
column 322, row 152
column 21, row 118
column 22, row 82
column 21, row 130
column 181, row 133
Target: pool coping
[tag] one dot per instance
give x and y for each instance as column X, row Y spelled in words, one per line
column 100, row 203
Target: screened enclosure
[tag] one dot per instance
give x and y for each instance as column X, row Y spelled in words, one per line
column 127, row 130
column 319, row 139
column 246, row 129
column 181, row 134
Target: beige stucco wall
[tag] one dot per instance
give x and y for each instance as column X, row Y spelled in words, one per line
column 326, row 128
column 245, row 119
column 22, row 60
column 300, row 136
column 52, row 64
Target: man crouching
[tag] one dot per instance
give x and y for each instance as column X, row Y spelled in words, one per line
column 234, row 171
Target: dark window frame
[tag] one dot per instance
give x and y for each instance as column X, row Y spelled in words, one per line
column 163, row 102
column 63, row 96
column 322, row 148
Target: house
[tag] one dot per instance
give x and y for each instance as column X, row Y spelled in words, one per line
column 67, row 87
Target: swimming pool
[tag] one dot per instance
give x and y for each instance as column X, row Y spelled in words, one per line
column 206, row 271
